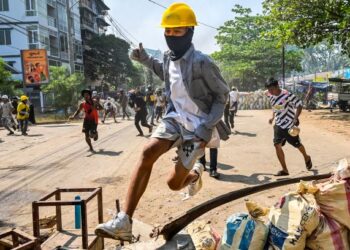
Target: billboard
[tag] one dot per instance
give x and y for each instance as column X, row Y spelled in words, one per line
column 35, row 66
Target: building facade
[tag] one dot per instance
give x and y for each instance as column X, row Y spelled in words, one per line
column 41, row 24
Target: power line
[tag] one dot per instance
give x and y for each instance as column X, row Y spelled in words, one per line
column 164, row 7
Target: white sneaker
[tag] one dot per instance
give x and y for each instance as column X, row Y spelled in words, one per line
column 194, row 187
column 118, row 228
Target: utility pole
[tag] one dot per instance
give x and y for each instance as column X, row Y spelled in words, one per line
column 71, row 36
column 283, row 67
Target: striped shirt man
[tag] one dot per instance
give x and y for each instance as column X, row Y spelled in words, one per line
column 284, row 106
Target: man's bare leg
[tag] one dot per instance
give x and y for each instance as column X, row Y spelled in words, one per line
column 303, row 151
column 88, row 141
column 140, row 177
column 281, row 158
column 181, row 177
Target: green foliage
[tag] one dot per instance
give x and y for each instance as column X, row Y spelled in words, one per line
column 309, row 22
column 108, row 58
column 323, row 57
column 65, row 88
column 247, row 58
column 7, row 84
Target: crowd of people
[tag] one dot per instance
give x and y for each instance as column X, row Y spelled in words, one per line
column 15, row 113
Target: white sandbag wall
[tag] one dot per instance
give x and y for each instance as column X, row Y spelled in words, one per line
column 253, row 100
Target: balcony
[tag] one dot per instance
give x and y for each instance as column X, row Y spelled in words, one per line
column 52, row 3
column 64, row 56
column 51, row 21
column 54, row 52
column 85, row 4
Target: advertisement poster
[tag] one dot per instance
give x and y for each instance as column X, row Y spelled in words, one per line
column 35, row 66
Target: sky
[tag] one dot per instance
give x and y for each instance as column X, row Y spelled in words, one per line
column 142, row 20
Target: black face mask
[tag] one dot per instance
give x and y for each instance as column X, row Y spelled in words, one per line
column 179, row 44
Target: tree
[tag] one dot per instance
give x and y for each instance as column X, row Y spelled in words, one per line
column 247, row 57
column 7, row 84
column 108, row 60
column 306, row 23
column 65, row 88
column 323, row 57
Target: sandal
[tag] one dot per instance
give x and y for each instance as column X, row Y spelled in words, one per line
column 282, row 173
column 308, row 164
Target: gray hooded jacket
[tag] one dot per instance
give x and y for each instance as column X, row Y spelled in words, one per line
column 203, row 82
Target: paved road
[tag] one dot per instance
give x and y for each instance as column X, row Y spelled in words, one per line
column 56, row 156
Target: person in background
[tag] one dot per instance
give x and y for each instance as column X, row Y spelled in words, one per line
column 213, row 163
column 160, row 104
column 23, row 114
column 150, row 101
column 31, row 113
column 234, row 97
column 137, row 102
column 124, row 100
column 109, row 108
column 283, row 105
column 6, row 117
column 90, row 107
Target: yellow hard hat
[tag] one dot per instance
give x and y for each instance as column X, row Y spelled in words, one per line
column 178, row 15
column 24, row 98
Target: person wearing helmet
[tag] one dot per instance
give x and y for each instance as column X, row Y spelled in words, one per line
column 90, row 107
column 197, row 95
column 23, row 114
column 6, row 118
column 284, row 105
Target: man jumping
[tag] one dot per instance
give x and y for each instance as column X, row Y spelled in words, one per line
column 284, row 104
column 90, row 107
column 197, row 95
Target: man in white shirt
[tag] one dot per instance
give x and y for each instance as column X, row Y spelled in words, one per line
column 109, row 108
column 197, row 95
column 6, row 118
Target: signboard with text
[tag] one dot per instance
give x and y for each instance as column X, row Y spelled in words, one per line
column 35, row 66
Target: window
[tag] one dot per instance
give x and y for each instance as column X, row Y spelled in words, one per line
column 30, row 8
column 4, row 5
column 62, row 18
column 5, row 36
column 33, row 37
column 63, row 43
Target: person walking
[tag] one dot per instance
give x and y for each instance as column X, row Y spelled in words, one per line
column 23, row 114
column 150, row 101
column 6, row 118
column 284, row 104
column 124, row 100
column 197, row 95
column 213, row 172
column 90, row 107
column 137, row 102
column 160, row 104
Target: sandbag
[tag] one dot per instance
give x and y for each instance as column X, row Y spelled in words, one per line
column 203, row 236
column 333, row 195
column 292, row 220
column 334, row 200
column 246, row 231
column 329, row 235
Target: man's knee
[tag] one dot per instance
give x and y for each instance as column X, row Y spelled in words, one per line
column 174, row 184
column 152, row 151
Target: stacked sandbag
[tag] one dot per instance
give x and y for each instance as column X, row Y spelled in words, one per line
column 246, row 231
column 253, row 100
column 292, row 220
column 333, row 199
column 204, row 237
column 329, row 235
